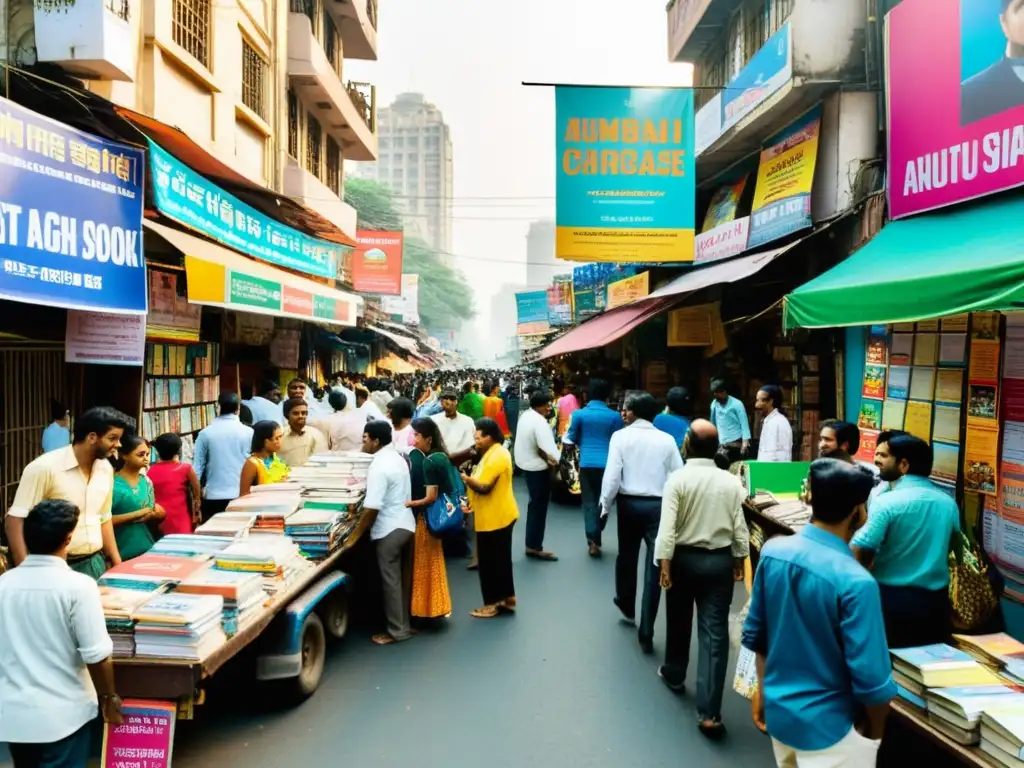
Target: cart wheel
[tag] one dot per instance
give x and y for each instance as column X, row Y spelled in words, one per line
column 335, row 614
column 314, row 648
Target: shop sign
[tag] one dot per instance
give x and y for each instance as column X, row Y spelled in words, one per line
column 532, row 312
column 629, row 290
column 723, row 205
column 625, row 176
column 785, row 175
column 722, row 242
column 767, row 71
column 956, row 121
column 253, row 291
column 101, row 338
column 690, row 327
column 190, row 199
column 560, row 301
column 376, row 265
column 708, row 124
column 296, row 302
column 70, row 216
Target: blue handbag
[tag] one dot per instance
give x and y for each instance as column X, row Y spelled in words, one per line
column 444, row 516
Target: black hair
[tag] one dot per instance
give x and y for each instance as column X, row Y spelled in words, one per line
column 599, row 389
column 916, row 451
column 296, row 380
column 845, row 433
column 245, row 415
column 643, row 405
column 889, row 434
column 467, row 387
column 337, row 400
column 679, row 401
column 48, row 525
column 228, row 403
column 719, row 385
column 449, row 394
column 291, row 404
column 489, row 428
column 128, row 444
column 267, row 386
column 168, row 445
column 428, row 428
column 702, row 446
column 540, row 398
column 401, row 409
column 361, row 392
column 378, row 430
column 837, row 488
column 58, row 410
column 261, row 432
column 774, row 392
column 98, row 421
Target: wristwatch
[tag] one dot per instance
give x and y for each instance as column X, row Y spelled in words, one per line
column 105, row 697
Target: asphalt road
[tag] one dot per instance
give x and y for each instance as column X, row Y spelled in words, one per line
column 561, row 683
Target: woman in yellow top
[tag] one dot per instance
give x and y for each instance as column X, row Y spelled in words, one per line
column 495, row 510
column 263, row 467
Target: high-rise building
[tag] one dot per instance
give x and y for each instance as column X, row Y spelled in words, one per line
column 541, row 264
column 416, row 163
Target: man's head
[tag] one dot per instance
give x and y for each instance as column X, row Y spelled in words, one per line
column 720, row 390
column 228, row 403
column 701, row 440
column 467, row 387
column 883, row 458
column 48, row 527
column 450, row 403
column 1012, row 22
column 296, row 411
column 599, row 389
column 839, row 493
column 337, row 400
column 838, row 440
column 400, row 411
column 908, row 455
column 100, row 429
column 376, row 435
column 641, row 406
column 679, row 401
column 769, row 398
column 271, row 391
column 540, row 401
column 297, row 388
column 60, row 413
column 362, row 395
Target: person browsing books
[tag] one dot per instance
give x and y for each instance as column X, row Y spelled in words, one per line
column 175, row 486
column 134, row 506
column 222, row 449
column 263, row 467
column 300, row 440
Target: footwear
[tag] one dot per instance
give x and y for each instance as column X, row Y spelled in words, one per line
column 540, row 554
column 595, row 551
column 675, row 687
column 485, row 612
column 646, row 645
column 383, row 639
column 712, row 728
column 626, row 618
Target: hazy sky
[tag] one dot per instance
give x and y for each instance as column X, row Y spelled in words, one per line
column 469, row 57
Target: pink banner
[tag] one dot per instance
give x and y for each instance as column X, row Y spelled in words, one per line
column 955, row 102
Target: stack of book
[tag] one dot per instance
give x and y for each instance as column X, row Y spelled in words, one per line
column 242, row 593
column 151, row 572
column 998, row 651
column 276, row 558
column 915, row 670
column 319, row 532
column 271, row 505
column 957, row 711
column 190, row 545
column 179, row 626
column 119, row 605
column 231, row 524
column 1002, row 736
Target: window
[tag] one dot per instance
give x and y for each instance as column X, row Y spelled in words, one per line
column 314, row 141
column 734, row 47
column 712, row 78
column 191, row 28
column 254, row 80
column 293, row 124
column 332, row 44
column 333, row 166
column 753, row 30
column 779, row 12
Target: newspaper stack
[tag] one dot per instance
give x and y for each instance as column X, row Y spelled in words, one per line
column 179, row 626
column 118, row 606
column 242, row 592
column 271, row 505
column 335, row 481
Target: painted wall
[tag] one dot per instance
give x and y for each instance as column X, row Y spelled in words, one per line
column 856, row 350
column 848, row 139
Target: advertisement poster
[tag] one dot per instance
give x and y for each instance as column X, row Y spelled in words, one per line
column 1013, row 442
column 926, row 349
column 101, row 338
column 981, row 402
column 767, row 71
column 411, row 299
column 629, row 290
column 922, row 383
column 868, row 444
column 874, row 381
column 918, row 420
column 625, row 180
column 876, row 350
column 722, row 208
column 782, row 198
column 894, row 413
column 870, row 414
column 722, row 242
column 145, row 738
column 946, row 463
column 532, row 313
column 902, row 349
column 68, row 243
column 899, row 382
column 376, row 265
column 981, row 455
column 170, row 315
column 949, row 386
column 560, row 301
column 984, row 365
column 952, row 349
column 953, row 119
column 947, row 423
column 1011, row 491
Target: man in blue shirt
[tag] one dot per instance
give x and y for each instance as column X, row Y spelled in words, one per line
column 906, row 543
column 815, row 623
column 591, row 428
column 730, row 418
column 221, row 450
column 676, row 420
column 58, row 434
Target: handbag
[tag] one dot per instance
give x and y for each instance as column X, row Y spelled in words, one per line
column 444, row 516
column 971, row 595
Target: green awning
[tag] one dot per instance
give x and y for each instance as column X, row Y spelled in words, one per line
column 960, row 260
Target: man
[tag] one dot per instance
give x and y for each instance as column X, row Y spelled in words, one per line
column 1001, row 86
column 338, row 385
column 472, row 402
column 885, row 464
column 58, row 433
column 297, row 388
column 815, row 623
column 776, row 443
column 906, row 543
column 379, row 394
column 266, row 405
column 535, row 453
column 344, row 427
column 81, row 474
column 221, row 450
column 591, row 429
column 367, row 406
column 675, row 420
column 640, row 461
column 300, row 441
column 392, row 527
column 729, row 417
column 701, row 547
column 56, row 672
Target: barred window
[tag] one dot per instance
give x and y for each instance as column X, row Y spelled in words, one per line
column 293, row 124
column 753, row 31
column 254, row 80
column 332, row 44
column 314, row 141
column 334, row 166
column 712, row 78
column 778, row 13
column 190, row 27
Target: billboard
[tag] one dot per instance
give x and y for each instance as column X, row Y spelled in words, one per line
column 956, row 122
column 532, row 313
column 377, row 263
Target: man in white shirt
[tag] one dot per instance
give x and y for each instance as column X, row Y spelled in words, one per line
column 457, row 429
column 535, row 453
column 343, row 428
column 776, row 443
column 640, row 459
column 365, row 404
column 56, row 672
column 392, row 527
column 701, row 547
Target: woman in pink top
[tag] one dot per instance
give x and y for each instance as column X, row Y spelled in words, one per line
column 567, row 405
column 172, row 483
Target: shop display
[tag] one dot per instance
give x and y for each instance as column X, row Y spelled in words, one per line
column 181, row 387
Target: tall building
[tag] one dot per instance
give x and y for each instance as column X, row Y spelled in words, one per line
column 416, row 163
column 541, row 264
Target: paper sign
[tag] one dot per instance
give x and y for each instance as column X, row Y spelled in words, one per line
column 981, row 450
column 899, row 382
column 1013, row 442
column 893, row 414
column 874, row 381
column 984, row 361
column 946, row 461
column 949, row 386
column 918, row 419
column 985, row 325
column 870, row 414
column 902, row 349
column 868, row 444
column 922, row 383
column 1011, row 491
column 981, row 402
column 955, row 324
column 876, row 351
column 926, row 348
column 928, row 325
column 953, row 349
column 145, row 738
column 105, row 339
column 947, row 423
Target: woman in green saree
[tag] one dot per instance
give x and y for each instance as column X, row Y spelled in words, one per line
column 134, row 506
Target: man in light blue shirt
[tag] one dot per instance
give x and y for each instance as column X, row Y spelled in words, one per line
column 58, row 433
column 266, row 406
column 730, row 418
column 815, row 624
column 221, row 450
column 884, row 465
column 676, row 420
column 906, row 543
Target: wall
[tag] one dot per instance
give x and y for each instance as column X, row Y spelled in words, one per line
column 848, row 139
column 828, row 40
column 853, row 361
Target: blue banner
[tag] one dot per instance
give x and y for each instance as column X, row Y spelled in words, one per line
column 532, row 307
column 767, row 71
column 70, row 216
column 190, row 199
column 625, row 178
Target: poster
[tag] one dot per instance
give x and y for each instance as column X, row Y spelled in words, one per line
column 768, row 70
column 899, row 382
column 928, row 325
column 1013, row 442
column 876, row 350
column 985, row 325
column 725, row 240
column 893, row 414
column 101, row 338
column 981, row 454
column 984, row 365
column 949, row 386
column 1013, row 399
column 981, row 402
column 955, row 323
column 868, row 444
column 952, row 349
column 560, row 301
column 625, row 179
column 870, row 414
column 629, row 290
column 955, row 100
column 946, row 462
column 170, row 314
column 922, row 383
column 722, row 208
column 918, row 420
column 926, row 348
column 902, row 349
column 145, row 738
column 874, row 381
column 1011, row 491
column 532, row 313
column 1013, row 356
column 376, row 266
column 411, row 299
column 947, row 423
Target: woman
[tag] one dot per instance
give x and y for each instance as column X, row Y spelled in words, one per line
column 133, row 506
column 494, row 407
column 400, row 411
column 263, row 467
column 431, row 475
column 494, row 506
column 566, row 405
column 427, row 403
column 175, row 486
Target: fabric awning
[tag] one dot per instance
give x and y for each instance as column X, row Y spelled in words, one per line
column 409, row 345
column 605, row 328
column 961, row 260
column 220, row 277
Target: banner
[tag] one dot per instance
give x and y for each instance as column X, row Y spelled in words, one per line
column 376, row 265
column 725, row 240
column 768, row 70
column 722, row 208
column 782, row 198
column 100, row 338
column 625, row 178
column 629, row 290
column 170, row 315
column 411, row 299
column 532, row 313
column 560, row 301
column 954, row 120
column 70, row 216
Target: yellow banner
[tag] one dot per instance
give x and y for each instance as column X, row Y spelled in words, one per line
column 787, row 169
column 628, row 290
column 644, row 246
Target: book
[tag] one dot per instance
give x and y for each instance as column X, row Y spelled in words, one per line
column 148, row 729
column 963, row 706
column 941, row 666
column 1002, row 735
column 990, row 649
column 150, row 571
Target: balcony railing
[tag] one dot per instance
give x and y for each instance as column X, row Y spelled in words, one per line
column 364, row 96
column 371, row 12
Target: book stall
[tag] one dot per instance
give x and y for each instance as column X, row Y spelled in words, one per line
column 183, row 610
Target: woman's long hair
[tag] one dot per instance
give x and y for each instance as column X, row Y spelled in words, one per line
column 428, row 428
column 261, row 432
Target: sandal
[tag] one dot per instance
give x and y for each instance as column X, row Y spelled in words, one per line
column 486, row 612
column 540, row 554
column 383, row 639
column 712, row 729
column 506, row 608
column 473, row 567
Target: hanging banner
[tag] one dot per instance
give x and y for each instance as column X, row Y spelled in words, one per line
column 376, row 265
column 954, row 120
column 532, row 313
column 411, row 299
column 722, row 242
column 560, row 301
column 70, row 217
column 100, row 338
column 629, row 290
column 767, row 71
column 625, row 178
column 722, row 208
column 782, row 198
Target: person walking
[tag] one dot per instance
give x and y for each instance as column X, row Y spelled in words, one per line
column 640, row 461
column 222, row 449
column 263, row 467
column 458, row 434
column 701, row 547
column 729, row 417
column 472, row 402
column 400, row 411
column 591, row 429
column 175, row 486
column 58, row 433
column 815, row 624
column 134, row 509
column 535, row 453
column 676, row 419
column 776, row 442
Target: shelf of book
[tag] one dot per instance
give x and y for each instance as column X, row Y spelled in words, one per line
column 181, row 387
